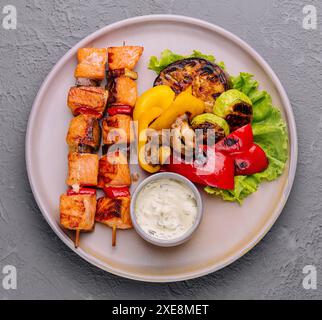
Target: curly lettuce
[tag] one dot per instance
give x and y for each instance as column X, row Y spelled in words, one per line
column 167, row 57
column 269, row 128
column 270, row 133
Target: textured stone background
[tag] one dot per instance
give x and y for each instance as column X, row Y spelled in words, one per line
column 46, row 267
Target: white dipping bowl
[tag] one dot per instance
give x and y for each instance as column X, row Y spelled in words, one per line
column 188, row 234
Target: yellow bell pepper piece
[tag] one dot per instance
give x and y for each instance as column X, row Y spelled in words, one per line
column 160, row 97
column 184, row 103
column 144, row 121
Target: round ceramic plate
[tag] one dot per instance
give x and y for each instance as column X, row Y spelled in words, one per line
column 228, row 230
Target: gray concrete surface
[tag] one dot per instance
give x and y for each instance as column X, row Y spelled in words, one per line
column 46, row 267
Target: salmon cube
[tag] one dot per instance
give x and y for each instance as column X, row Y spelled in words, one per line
column 84, row 133
column 114, row 212
column 93, row 98
column 114, row 170
column 91, row 63
column 123, row 57
column 77, row 212
column 124, row 91
column 82, row 169
column 117, row 129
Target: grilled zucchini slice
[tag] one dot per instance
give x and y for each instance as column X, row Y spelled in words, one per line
column 235, row 107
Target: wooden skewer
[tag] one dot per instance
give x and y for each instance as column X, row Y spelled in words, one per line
column 114, row 236
column 77, row 238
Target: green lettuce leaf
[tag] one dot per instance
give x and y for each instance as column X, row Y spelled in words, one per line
column 167, row 57
column 270, row 133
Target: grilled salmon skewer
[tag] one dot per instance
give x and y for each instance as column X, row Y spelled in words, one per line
column 87, row 102
column 77, row 211
column 114, row 173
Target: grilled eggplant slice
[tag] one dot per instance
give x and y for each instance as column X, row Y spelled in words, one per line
column 117, row 129
column 123, row 57
column 91, row 63
column 213, row 127
column 77, row 212
column 207, row 79
column 235, row 107
column 82, row 169
column 114, row 170
column 83, row 134
column 92, row 98
column 123, row 90
column 114, row 212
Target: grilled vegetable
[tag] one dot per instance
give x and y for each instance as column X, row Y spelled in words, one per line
column 213, row 127
column 159, row 96
column 145, row 119
column 119, row 109
column 237, row 141
column 123, row 57
column 114, row 212
column 251, row 161
column 182, row 137
column 77, row 211
column 91, row 63
column 117, row 129
column 235, row 107
column 84, row 133
column 116, row 192
column 185, row 102
column 216, row 171
column 93, row 99
column 207, row 79
column 114, row 170
column 123, row 91
column 82, row 169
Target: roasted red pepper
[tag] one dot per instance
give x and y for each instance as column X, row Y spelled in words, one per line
column 251, row 161
column 216, row 171
column 92, row 112
column 117, row 192
column 89, row 191
column 240, row 140
column 234, row 155
column 117, row 109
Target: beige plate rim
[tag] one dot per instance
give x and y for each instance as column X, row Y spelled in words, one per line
column 288, row 112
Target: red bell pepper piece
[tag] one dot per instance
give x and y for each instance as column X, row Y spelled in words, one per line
column 88, row 111
column 217, row 171
column 251, row 161
column 117, row 109
column 240, row 140
column 117, row 192
column 89, row 191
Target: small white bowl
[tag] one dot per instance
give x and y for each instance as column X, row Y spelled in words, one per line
column 171, row 242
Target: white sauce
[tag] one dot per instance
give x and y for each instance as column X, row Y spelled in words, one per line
column 166, row 209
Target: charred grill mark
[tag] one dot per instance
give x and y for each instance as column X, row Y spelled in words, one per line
column 236, row 121
column 108, row 208
column 230, row 141
column 244, row 108
column 242, row 165
column 216, row 95
column 212, row 133
column 207, row 79
column 84, row 148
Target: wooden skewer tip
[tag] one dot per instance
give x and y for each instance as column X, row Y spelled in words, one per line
column 77, row 238
column 114, row 236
